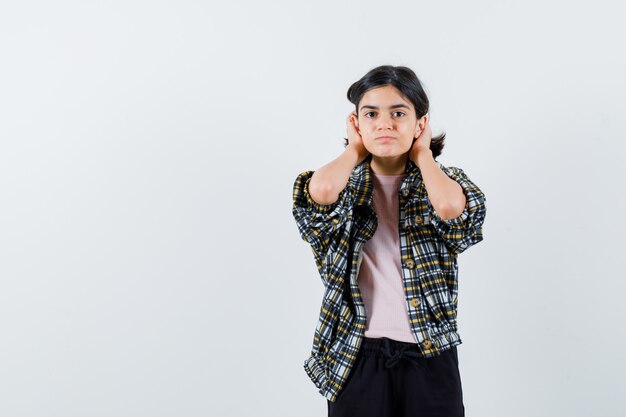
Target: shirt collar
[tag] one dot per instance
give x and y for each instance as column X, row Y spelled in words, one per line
column 362, row 185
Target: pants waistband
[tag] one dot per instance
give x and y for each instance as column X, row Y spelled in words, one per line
column 392, row 350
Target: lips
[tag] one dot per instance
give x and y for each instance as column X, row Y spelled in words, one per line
column 385, row 138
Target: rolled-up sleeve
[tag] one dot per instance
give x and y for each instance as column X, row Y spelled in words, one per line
column 316, row 222
column 465, row 230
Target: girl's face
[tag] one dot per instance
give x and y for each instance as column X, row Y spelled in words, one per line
column 387, row 122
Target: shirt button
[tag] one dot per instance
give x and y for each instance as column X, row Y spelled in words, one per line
column 418, row 219
column 427, row 344
column 415, row 302
column 409, row 263
column 406, row 192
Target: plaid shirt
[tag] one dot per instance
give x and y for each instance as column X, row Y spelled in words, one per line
column 429, row 247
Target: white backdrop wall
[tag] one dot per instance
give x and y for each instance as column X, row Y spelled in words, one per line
column 150, row 264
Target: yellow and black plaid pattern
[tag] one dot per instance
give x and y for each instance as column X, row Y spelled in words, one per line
column 429, row 247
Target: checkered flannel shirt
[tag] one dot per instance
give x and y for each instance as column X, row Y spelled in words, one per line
column 429, row 247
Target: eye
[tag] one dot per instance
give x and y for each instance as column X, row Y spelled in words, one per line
column 395, row 112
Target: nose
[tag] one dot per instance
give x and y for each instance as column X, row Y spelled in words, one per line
column 384, row 122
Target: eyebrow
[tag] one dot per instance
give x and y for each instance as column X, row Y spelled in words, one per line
column 395, row 106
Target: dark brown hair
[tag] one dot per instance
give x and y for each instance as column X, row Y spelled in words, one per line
column 407, row 83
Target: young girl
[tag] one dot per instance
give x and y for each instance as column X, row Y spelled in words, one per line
column 386, row 221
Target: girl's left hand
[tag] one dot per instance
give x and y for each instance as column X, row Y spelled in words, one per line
column 421, row 143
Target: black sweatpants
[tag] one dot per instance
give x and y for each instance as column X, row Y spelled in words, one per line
column 390, row 379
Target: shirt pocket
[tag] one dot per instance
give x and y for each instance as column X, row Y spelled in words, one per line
column 441, row 311
column 417, row 212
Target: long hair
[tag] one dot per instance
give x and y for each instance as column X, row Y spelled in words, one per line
column 405, row 80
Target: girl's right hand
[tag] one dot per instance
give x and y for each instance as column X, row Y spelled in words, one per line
column 355, row 140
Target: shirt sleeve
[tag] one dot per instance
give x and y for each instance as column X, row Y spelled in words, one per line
column 318, row 223
column 465, row 230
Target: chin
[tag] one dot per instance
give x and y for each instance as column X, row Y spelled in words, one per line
column 391, row 152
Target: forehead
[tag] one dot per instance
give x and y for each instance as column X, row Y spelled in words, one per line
column 385, row 96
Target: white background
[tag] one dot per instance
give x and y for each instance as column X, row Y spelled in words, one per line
column 150, row 264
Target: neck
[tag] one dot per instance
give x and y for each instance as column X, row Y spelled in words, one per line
column 389, row 165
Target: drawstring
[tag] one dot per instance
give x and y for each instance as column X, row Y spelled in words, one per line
column 398, row 354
